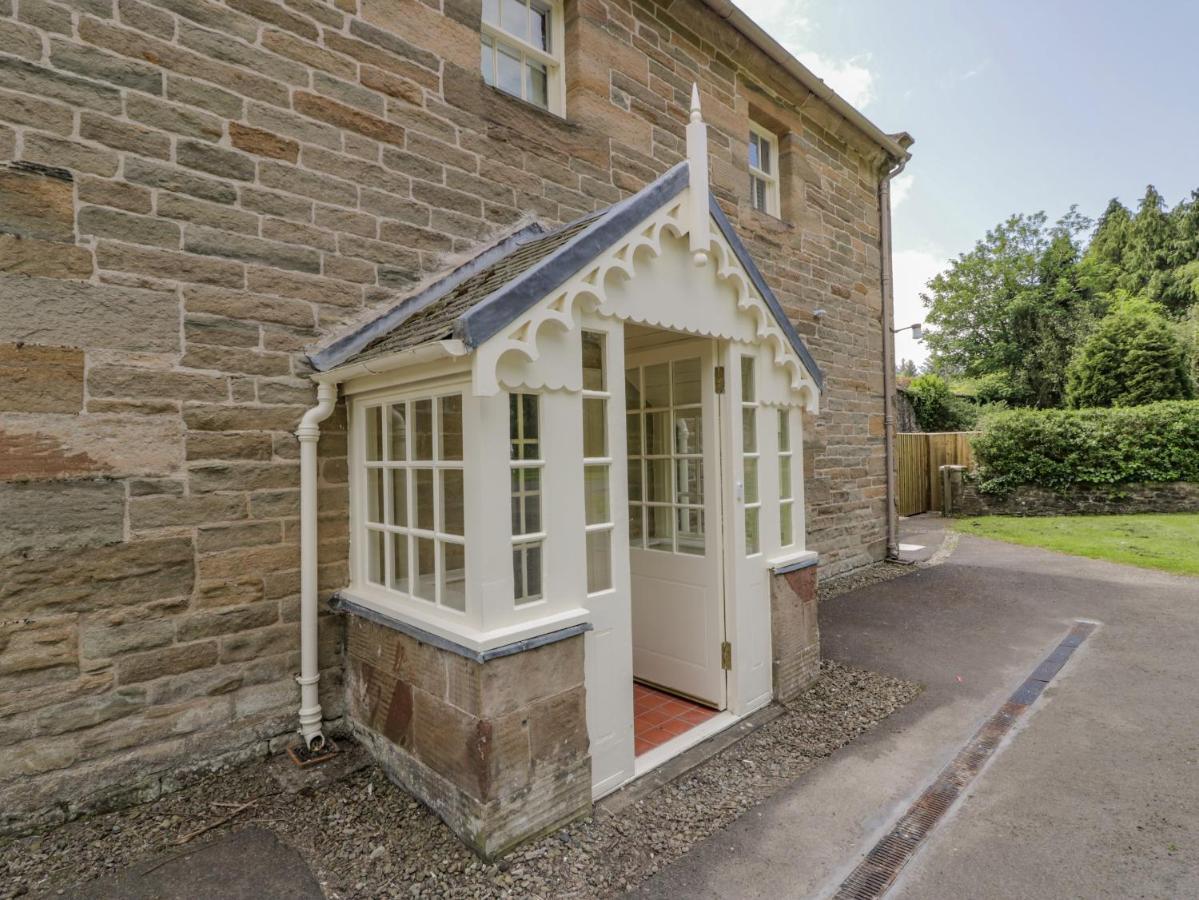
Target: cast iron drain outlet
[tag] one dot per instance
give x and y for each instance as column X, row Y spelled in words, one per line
column 875, row 874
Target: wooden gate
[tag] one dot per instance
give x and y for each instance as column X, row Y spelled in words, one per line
column 920, row 456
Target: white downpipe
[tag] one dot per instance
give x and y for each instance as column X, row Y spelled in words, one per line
column 309, row 432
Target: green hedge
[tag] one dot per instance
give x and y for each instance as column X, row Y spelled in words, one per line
column 1058, row 448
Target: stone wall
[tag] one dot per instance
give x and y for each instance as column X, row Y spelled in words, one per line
column 1117, row 499
column 191, row 193
column 794, row 631
column 498, row 749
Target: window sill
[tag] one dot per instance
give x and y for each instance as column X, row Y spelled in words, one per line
column 462, row 639
column 793, row 561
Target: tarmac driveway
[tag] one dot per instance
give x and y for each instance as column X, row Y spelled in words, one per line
column 1095, row 795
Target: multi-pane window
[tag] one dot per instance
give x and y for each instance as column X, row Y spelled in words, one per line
column 786, row 482
column 763, row 170
column 528, row 537
column 597, row 464
column 749, row 457
column 666, row 464
column 521, row 52
column 414, row 507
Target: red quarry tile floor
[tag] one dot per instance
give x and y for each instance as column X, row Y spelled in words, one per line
column 658, row 717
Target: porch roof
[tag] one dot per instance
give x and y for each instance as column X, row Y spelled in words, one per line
column 489, row 291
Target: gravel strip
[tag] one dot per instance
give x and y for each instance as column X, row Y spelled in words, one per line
column 863, row 577
column 364, row 837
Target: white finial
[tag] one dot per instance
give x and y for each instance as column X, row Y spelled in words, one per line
column 697, row 163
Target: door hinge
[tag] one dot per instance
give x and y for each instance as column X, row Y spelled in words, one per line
column 720, row 379
column 726, row 656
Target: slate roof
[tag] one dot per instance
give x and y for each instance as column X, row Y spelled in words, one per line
column 482, row 296
column 435, row 321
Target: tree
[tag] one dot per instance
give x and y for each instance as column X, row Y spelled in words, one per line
column 970, row 302
column 1013, row 306
column 907, row 368
column 936, row 408
column 1132, row 357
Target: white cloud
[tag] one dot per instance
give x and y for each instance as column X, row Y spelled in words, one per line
column 848, row 77
column 786, row 22
column 900, row 188
column 912, row 270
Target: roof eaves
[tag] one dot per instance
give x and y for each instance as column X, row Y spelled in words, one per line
column 338, row 351
column 755, row 275
column 484, row 320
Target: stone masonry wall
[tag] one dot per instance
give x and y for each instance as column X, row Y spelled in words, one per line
column 497, row 749
column 794, row 632
column 1114, row 500
column 191, row 193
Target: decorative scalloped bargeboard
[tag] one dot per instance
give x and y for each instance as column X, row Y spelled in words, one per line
column 649, row 278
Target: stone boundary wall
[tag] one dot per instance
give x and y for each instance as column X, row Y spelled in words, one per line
column 1117, row 499
column 192, row 192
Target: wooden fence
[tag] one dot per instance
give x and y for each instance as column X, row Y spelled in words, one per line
column 920, row 457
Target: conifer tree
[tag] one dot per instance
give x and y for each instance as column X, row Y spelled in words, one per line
column 1132, row 357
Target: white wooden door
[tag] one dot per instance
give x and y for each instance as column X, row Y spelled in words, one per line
column 674, row 520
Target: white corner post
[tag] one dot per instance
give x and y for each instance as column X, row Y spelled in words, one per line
column 308, row 433
column 697, row 171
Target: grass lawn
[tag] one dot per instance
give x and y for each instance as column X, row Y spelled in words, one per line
column 1167, row 542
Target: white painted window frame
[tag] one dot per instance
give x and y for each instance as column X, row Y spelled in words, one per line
column 554, row 61
column 382, row 594
column 769, row 177
column 604, row 462
column 786, row 485
column 515, row 464
column 752, row 508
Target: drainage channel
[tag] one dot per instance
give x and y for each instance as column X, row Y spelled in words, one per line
column 876, row 873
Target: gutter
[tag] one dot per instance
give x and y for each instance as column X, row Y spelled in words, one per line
column 772, row 48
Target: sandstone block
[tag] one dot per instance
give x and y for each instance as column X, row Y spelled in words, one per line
column 52, row 311
column 263, row 143
column 122, row 226
column 37, row 379
column 65, row 154
column 128, row 630
column 76, row 715
column 243, row 534
column 342, row 116
column 37, row 204
column 53, row 447
column 70, row 514
column 19, row 75
column 118, row 194
column 172, row 511
column 99, row 66
column 228, row 620
column 260, row 642
column 43, row 259
column 165, row 661
column 36, row 646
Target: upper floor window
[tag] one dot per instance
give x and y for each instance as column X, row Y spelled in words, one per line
column 763, row 169
column 522, row 50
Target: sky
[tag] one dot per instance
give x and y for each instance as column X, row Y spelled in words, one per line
column 1015, row 106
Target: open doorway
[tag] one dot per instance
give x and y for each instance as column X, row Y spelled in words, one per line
column 676, row 553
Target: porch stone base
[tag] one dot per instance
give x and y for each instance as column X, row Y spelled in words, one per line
column 498, row 749
column 794, row 631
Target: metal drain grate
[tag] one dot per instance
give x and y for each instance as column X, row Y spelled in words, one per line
column 875, row 874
